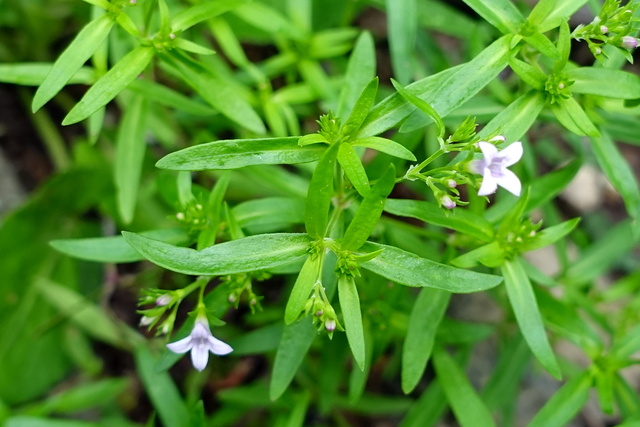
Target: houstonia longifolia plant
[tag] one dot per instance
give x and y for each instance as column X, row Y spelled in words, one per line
column 366, row 239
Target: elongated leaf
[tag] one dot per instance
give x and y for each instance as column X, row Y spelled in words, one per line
column 350, row 305
column 491, row 255
column 444, row 91
column 571, row 115
column 502, row 14
column 270, row 213
column 169, row 97
column 73, row 58
column 237, row 153
column 115, row 249
column 161, row 389
column 202, row 12
column 402, row 27
column 360, row 70
column 369, row 212
column 422, row 105
column 514, row 121
column 469, row 409
column 543, row 45
column 565, row 404
column 385, row 145
column 353, row 168
column 130, row 149
column 31, row 421
column 627, row 345
column 618, row 171
column 426, row 314
column 409, row 269
column 560, row 11
column 460, row 220
column 34, row 73
column 302, row 288
column 116, row 79
column 319, row 194
column 550, row 235
column 361, row 108
column 237, row 256
column 294, row 345
column 605, row 82
column 525, row 308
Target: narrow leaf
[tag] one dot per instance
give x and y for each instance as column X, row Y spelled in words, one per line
column 294, row 345
column 353, row 168
column 550, row 235
column 422, row 106
column 361, row 108
column 605, row 82
column 502, row 14
column 385, row 145
column 402, row 27
column 302, row 289
column 320, row 193
column 571, row 115
column 360, row 70
column 350, row 305
column 201, row 12
column 565, row 404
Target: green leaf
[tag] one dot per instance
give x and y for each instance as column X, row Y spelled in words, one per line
column 169, row 97
column 469, row 409
column 604, row 82
column 444, row 91
column 72, row 59
column 529, row 74
column 130, row 149
column 353, row 168
column 215, row 210
column 502, row 14
column 237, row 256
column 402, row 29
column 571, row 115
column 618, row 172
column 565, row 404
column 237, row 153
column 30, row 421
column 350, row 305
column 385, row 145
column 115, row 249
column 525, row 308
column 426, row 314
column 319, row 194
column 87, row 395
column 192, row 47
column 34, row 73
column 111, row 84
column 302, row 288
column 550, row 235
column 312, row 138
column 516, row 119
column 540, row 11
column 409, row 269
column 561, row 10
column 491, row 255
column 269, row 213
column 201, row 12
column 368, row 214
column 294, row 345
column 543, row 45
column 361, row 68
column 161, row 390
column 361, row 108
column 422, row 106
column 461, row 220
column 628, row 345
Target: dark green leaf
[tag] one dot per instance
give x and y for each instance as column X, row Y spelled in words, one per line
column 350, row 305
column 309, row 274
column 294, row 344
column 320, row 193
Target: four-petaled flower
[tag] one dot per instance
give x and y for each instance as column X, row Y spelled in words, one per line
column 493, row 168
column 200, row 341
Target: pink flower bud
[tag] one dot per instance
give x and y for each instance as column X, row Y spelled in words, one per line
column 330, row 325
column 629, row 42
column 604, row 29
column 447, row 203
column 451, row 183
column 164, row 300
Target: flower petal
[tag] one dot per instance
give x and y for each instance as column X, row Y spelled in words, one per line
column 489, row 151
column 181, row 346
column 510, row 182
column 511, row 154
column 200, row 356
column 219, row 347
column 489, row 185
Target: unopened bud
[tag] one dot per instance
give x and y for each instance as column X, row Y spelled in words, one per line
column 146, row 320
column 330, row 325
column 172, row 36
column 604, row 29
column 598, row 51
column 560, row 85
column 319, row 313
column 180, row 216
column 133, row 1
column 447, row 203
column 498, row 138
column 629, row 42
column 451, row 183
column 232, row 298
column 163, row 300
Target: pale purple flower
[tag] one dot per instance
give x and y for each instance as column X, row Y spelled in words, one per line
column 200, row 342
column 446, row 202
column 493, row 168
column 629, row 42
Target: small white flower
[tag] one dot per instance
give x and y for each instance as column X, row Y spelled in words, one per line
column 200, row 342
column 493, row 168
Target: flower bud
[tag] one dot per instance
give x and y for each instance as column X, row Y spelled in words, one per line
column 629, row 42
column 446, row 202
column 451, row 183
column 330, row 325
column 163, row 300
column 604, row 29
column 146, row 320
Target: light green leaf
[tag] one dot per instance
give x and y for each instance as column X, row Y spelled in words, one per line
column 361, row 108
column 385, row 145
column 189, row 46
column 237, row 256
column 360, row 70
column 350, row 305
column 426, row 314
column 72, row 59
column 516, row 119
column 467, row 406
column 491, row 255
column 525, row 308
column 34, row 73
column 237, row 153
column 422, row 106
column 550, row 235
column 319, row 194
column 269, row 214
column 294, row 345
column 571, row 115
column 565, row 404
column 302, row 288
column 605, row 82
column 402, row 29
column 543, row 45
column 618, row 172
column 461, row 220
column 115, row 249
column 561, row 10
column 169, row 97
column 352, row 166
column 368, row 214
column 203, row 11
column 528, row 73
column 130, row 149
column 409, row 269
column 111, row 84
column 502, row 14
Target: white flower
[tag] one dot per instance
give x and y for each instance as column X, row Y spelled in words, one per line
column 493, row 168
column 200, row 342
